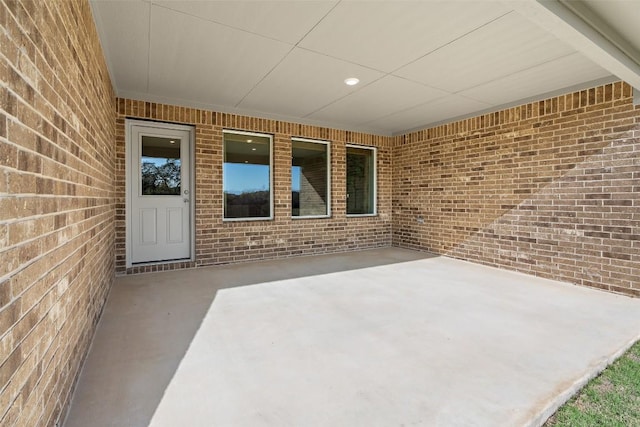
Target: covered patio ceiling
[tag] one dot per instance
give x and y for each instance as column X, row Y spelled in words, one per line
column 419, row 63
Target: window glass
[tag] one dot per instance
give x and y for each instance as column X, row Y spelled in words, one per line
column 361, row 181
column 247, row 176
column 160, row 166
column 309, row 178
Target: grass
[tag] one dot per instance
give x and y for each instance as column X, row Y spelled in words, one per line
column 611, row 399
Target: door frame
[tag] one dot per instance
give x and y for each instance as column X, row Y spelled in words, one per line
column 129, row 123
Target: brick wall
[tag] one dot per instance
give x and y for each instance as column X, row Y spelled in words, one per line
column 57, row 124
column 550, row 188
column 220, row 242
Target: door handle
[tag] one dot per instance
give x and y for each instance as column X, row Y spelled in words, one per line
column 186, row 200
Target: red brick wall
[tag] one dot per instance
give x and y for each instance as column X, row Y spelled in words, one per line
column 57, row 123
column 550, row 188
column 220, row 242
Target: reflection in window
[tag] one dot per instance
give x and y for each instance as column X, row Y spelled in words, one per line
column 309, row 178
column 247, row 175
column 361, row 181
column 160, row 166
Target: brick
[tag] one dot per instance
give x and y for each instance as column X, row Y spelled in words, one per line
column 8, row 155
column 3, row 125
column 9, row 315
column 56, row 139
column 578, row 196
column 29, row 162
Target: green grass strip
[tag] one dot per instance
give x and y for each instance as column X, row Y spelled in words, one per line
column 611, row 399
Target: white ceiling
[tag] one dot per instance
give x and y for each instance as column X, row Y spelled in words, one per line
column 419, row 63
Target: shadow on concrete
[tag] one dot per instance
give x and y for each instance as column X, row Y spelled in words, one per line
column 150, row 320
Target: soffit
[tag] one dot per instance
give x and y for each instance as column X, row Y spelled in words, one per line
column 419, row 63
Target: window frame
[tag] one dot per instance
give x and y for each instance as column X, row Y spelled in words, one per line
column 375, row 179
column 328, row 145
column 271, row 189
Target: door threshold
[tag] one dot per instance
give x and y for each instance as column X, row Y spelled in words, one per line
column 167, row 261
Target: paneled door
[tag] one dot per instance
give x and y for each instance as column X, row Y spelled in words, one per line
column 159, row 190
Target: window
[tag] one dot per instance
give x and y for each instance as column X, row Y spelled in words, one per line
column 310, row 187
column 160, row 166
column 246, row 177
column 361, row 180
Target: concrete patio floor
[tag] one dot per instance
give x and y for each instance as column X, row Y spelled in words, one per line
column 385, row 337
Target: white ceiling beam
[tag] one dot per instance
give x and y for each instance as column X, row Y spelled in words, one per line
column 597, row 42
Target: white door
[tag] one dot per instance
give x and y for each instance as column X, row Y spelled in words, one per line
column 159, row 214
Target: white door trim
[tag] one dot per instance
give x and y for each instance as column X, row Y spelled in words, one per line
column 129, row 123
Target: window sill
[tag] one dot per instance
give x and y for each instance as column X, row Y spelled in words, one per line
column 267, row 218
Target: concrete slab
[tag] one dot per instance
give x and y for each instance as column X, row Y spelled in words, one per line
column 385, row 337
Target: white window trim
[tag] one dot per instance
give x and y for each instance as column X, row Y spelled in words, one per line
column 375, row 179
column 271, row 189
column 328, row 144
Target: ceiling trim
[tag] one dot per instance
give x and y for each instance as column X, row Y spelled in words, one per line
column 597, row 42
column 145, row 97
column 524, row 101
column 364, row 129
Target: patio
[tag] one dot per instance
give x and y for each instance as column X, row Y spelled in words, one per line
column 371, row 338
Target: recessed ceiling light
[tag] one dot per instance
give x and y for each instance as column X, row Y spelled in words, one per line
column 351, row 81
column 246, row 161
column 249, row 140
column 253, row 149
column 172, row 141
